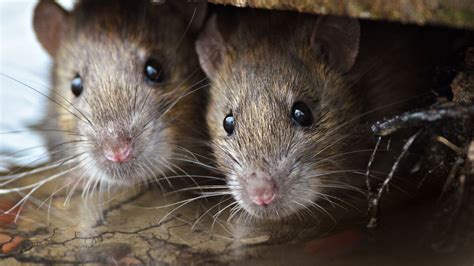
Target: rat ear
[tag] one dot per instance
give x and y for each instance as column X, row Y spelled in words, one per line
column 193, row 11
column 49, row 23
column 338, row 39
column 210, row 47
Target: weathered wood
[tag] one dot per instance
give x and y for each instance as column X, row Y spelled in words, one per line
column 454, row 13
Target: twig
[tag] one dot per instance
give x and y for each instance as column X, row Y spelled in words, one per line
column 375, row 198
column 369, row 165
column 450, row 145
column 419, row 118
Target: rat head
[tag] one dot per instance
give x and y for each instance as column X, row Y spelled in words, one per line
column 280, row 112
column 125, row 84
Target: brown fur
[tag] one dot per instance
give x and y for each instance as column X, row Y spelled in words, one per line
column 108, row 43
column 266, row 63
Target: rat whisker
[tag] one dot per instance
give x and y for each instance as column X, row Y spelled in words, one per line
column 14, row 173
column 69, row 132
column 328, row 198
column 13, row 178
column 152, row 174
column 304, row 208
column 216, row 216
column 159, row 170
column 197, row 163
column 194, row 154
column 320, row 208
column 206, row 212
column 52, row 100
column 182, row 203
column 206, row 187
column 236, row 209
column 42, row 146
column 73, row 189
column 34, row 187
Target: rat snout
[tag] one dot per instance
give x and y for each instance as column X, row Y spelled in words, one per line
column 121, row 151
column 262, row 191
column 263, row 196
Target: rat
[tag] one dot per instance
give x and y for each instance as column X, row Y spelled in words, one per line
column 291, row 100
column 127, row 97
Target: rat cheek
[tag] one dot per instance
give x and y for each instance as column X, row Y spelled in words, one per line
column 236, row 188
column 312, row 184
column 141, row 125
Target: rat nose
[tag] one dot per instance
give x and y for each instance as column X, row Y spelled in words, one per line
column 118, row 154
column 263, row 193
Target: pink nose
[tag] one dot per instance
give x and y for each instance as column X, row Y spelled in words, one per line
column 119, row 154
column 263, row 195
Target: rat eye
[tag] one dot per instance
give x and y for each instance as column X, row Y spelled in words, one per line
column 76, row 85
column 301, row 114
column 153, row 71
column 229, row 124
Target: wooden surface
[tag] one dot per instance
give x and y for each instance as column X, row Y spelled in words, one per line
column 455, row 13
column 151, row 229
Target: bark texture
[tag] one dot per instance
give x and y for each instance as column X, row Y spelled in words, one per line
column 454, row 13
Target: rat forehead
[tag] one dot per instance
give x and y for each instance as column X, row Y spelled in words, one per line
column 124, row 38
column 256, row 98
column 105, row 51
column 273, row 85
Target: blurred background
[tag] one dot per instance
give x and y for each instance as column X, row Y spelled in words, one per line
column 22, row 59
